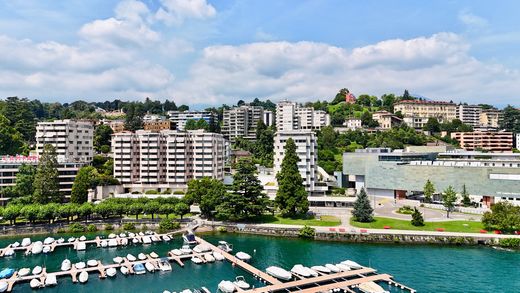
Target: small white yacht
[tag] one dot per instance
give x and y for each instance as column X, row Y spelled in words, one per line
column 135, row 240
column 83, row 277
column 131, row 234
column 71, row 239
column 176, row 252
column 279, row 273
column 165, row 265
column 196, row 260
column 24, row 272
column 48, row 241
column 139, row 269
column 37, row 247
column 166, row 238
column 60, row 240
column 241, row 283
column 123, row 270
column 112, row 236
column 111, row 272
column 321, row 269
column 141, row 256
column 146, row 240
column 92, row 263
column 201, row 248
column 82, row 238
column 50, row 280
column 226, row 287
column 65, row 265
column 352, row 264
column 35, row 283
column 122, row 235
column 37, row 270
column 15, row 245
column 209, row 258
column 149, row 266
column 124, row 241
column 46, row 249
column 243, row 256
column 300, row 270
column 131, row 257
column 343, row 267
column 26, row 242
column 371, row 287
column 189, row 238
column 80, row 265
column 332, row 268
column 112, row 243
column 218, row 256
column 225, row 246
column 118, row 259
column 154, row 255
column 9, row 252
column 185, row 249
column 104, row 243
column 3, row 286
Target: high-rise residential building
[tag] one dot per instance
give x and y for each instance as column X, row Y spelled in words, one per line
column 417, row 112
column 73, row 139
column 268, row 118
column 469, row 114
column 500, row 141
column 291, row 116
column 307, row 151
column 490, row 118
column 168, row 158
column 242, row 121
column 179, row 118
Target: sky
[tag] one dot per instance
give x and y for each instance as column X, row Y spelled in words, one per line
column 212, row 52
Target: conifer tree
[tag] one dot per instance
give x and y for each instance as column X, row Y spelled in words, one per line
column 417, row 218
column 429, row 190
column 363, row 211
column 466, row 201
column 291, row 197
column 46, row 184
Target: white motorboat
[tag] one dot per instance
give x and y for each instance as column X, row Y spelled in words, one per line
column 131, row 257
column 204, row 290
column 225, row 246
column 8, row 252
column 122, row 235
column 111, row 272
column 155, row 238
column 321, row 269
column 82, row 238
column 166, row 238
column 343, row 267
column 118, row 259
column 37, row 270
column 131, row 234
column 243, row 256
column 81, row 246
column 352, row 264
column 226, row 287
column 371, row 287
column 26, row 242
column 279, row 273
column 146, row 240
column 241, row 283
column 60, row 240
column 92, row 263
column 3, row 286
column 112, row 236
column 300, row 270
column 112, row 243
column 176, row 252
column 218, row 256
column 15, row 245
column 50, row 280
column 139, row 269
column 141, row 256
column 165, row 265
column 35, row 283
column 65, row 265
column 209, row 258
column 46, row 249
column 141, row 234
column 185, row 249
column 23, row 272
column 201, row 248
column 124, row 241
column 37, row 247
column 83, row 277
column 149, row 266
column 135, row 241
column 123, row 270
column 104, row 243
column 189, row 238
column 332, row 268
column 48, row 241
column 154, row 255
column 71, row 239
column 196, row 260
column 80, row 265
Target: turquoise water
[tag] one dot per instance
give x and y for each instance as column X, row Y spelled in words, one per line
column 424, row 268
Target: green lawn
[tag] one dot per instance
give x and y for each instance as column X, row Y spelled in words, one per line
column 448, row 226
column 310, row 221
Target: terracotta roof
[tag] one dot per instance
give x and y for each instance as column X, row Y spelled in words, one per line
column 424, row 102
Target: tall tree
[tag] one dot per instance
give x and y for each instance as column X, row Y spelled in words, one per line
column 511, row 119
column 432, row 125
column 291, row 197
column 24, row 180
column 102, row 136
column 11, row 140
column 247, row 199
column 134, row 117
column 85, row 180
column 466, row 201
column 428, row 191
column 208, row 193
column 363, row 211
column 46, row 183
column 449, row 197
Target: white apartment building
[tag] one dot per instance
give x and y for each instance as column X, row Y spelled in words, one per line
column 167, row 159
column 268, row 118
column 73, row 139
column 179, row 118
column 469, row 114
column 291, row 116
column 241, row 121
column 417, row 112
column 353, row 123
column 307, row 150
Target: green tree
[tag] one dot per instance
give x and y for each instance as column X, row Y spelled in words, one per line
column 68, row 210
column 85, row 210
column 291, row 197
column 85, row 179
column 428, row 191
column 167, row 209
column 363, row 211
column 182, row 209
column 449, row 197
column 30, row 212
column 24, row 180
column 503, row 216
column 46, row 183
column 208, row 193
column 11, row 141
column 340, row 96
column 48, row 212
column 466, row 201
column 11, row 212
column 432, row 125
column 246, row 200
column 104, row 209
column 152, row 207
column 102, row 137
column 417, row 218
column 136, row 209
column 511, row 119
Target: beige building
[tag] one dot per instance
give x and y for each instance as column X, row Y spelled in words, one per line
column 353, row 123
column 168, row 158
column 73, row 139
column 490, row 118
column 241, row 121
column 485, row 140
column 417, row 112
column 291, row 116
column 157, row 125
column 116, row 125
column 386, row 119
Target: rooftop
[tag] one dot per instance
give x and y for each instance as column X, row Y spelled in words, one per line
column 425, row 102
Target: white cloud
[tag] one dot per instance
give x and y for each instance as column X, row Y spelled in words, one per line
column 174, row 12
column 471, row 20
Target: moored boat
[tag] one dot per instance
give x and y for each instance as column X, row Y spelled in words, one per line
column 343, row 267
column 146, row 240
column 8, row 252
column 122, row 235
column 196, row 260
column 46, row 249
column 92, row 263
column 131, row 257
column 111, row 236
column 201, row 248
column 26, row 242
column 371, row 287
column 225, row 246
column 123, row 270
column 65, row 265
column 80, row 265
column 218, row 256
column 209, row 258
column 83, row 277
column 154, row 255
column 243, row 256
column 37, row 247
column 321, row 269
column 82, row 238
column 6, row 273
column 60, row 240
column 35, row 283
column 104, row 243
column 149, row 266
column 112, row 243
column 23, row 272
column 111, row 272
column 279, row 273
column 185, row 249
column 118, row 259
column 15, row 245
column 189, row 238
column 37, row 270
column 166, row 238
column 51, row 280
column 139, row 269
column 71, row 239
column 226, row 287
column 332, row 268
column 176, row 252
column 165, row 265
column 124, row 241
column 352, row 264
column 3, row 286
column 300, row 270
column 135, row 241
column 141, row 256
column 240, row 282
column 48, row 241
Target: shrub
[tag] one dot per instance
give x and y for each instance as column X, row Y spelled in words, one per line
column 178, row 192
column 222, row 229
column 92, row 228
column 152, row 191
column 128, row 226
column 167, row 191
column 307, row 232
column 417, row 218
column 109, row 227
column 144, row 227
column 136, row 192
column 509, row 242
column 76, row 228
column 407, row 210
column 168, row 225
column 61, row 230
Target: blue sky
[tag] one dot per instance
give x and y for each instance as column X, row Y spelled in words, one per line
column 213, row 52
